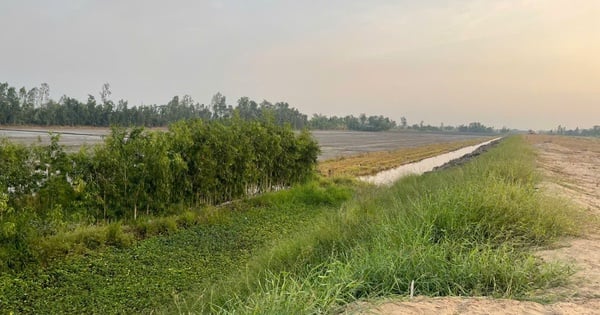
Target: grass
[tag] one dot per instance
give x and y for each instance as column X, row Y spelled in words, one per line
column 374, row 162
column 464, row 231
column 315, row 248
column 144, row 276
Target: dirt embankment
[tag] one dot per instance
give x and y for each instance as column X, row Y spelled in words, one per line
column 572, row 170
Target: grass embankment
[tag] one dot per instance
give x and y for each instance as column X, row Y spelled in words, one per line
column 144, row 276
column 463, row 231
column 375, row 162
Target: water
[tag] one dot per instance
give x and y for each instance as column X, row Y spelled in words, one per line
column 388, row 177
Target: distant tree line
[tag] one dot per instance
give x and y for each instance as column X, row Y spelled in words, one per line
column 591, row 132
column 350, row 122
column 381, row 123
column 35, row 107
column 473, row 127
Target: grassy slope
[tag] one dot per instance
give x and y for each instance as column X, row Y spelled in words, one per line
column 463, row 231
column 146, row 275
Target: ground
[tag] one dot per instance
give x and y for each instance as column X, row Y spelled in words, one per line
column 571, row 169
column 338, row 143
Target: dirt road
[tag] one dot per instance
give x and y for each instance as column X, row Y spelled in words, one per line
column 572, row 169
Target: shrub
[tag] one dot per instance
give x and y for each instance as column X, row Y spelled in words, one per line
column 116, row 237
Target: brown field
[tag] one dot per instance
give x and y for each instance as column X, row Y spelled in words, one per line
column 336, row 144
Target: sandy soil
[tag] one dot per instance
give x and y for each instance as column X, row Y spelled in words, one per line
column 572, row 170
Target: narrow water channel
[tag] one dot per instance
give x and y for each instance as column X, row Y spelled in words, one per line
column 388, row 177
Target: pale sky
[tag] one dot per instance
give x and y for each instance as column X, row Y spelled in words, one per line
column 516, row 63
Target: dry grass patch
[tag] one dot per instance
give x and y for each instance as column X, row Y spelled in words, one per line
column 374, row 162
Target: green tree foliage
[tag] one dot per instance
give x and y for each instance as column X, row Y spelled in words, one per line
column 476, row 127
column 138, row 172
column 35, row 107
column 361, row 123
column 142, row 173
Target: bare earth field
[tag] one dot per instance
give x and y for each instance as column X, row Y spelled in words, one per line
column 333, row 143
column 572, row 170
column 346, row 143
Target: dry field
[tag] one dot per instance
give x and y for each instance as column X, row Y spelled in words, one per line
column 337, row 144
column 571, row 168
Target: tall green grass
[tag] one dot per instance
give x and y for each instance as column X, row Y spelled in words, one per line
column 463, row 231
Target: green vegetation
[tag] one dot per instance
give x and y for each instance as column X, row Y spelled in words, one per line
column 463, row 231
column 313, row 248
column 381, row 123
column 45, row 192
column 350, row 122
column 144, row 276
column 35, row 107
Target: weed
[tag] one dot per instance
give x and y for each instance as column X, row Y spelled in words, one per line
column 144, row 275
column 462, row 231
column 116, row 237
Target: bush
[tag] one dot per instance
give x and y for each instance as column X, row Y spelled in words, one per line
column 157, row 226
column 116, row 237
column 187, row 219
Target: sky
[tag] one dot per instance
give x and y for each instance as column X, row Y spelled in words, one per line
column 527, row 64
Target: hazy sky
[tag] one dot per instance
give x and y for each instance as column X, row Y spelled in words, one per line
column 516, row 63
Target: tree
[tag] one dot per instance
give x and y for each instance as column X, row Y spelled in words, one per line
column 44, row 94
column 248, row 109
column 219, row 107
column 32, row 97
column 105, row 93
